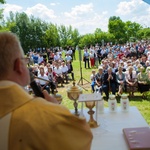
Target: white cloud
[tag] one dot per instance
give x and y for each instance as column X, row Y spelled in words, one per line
column 134, row 10
column 131, row 7
column 79, row 10
column 85, row 19
column 89, row 25
column 105, row 12
column 12, row 7
column 54, row 4
column 41, row 11
column 125, row 7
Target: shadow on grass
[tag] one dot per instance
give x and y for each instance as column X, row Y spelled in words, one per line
column 136, row 98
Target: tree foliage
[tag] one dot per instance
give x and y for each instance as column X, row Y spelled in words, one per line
column 117, row 27
column 87, row 40
column 1, row 14
column 2, row 1
column 51, row 37
column 144, row 34
column 123, row 31
column 35, row 33
column 30, row 30
column 131, row 29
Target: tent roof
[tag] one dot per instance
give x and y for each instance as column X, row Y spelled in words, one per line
column 147, row 1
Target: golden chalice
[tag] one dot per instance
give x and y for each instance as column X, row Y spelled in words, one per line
column 92, row 123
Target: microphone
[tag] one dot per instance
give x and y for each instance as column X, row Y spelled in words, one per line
column 41, row 78
column 36, row 89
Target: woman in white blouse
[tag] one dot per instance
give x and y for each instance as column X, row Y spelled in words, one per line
column 120, row 77
column 131, row 80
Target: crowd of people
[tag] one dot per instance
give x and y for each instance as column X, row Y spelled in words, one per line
column 51, row 68
column 29, row 122
column 121, row 68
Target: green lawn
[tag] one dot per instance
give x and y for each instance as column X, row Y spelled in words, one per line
column 142, row 104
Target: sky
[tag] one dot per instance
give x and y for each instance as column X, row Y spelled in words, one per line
column 84, row 15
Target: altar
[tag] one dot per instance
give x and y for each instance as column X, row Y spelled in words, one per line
column 109, row 134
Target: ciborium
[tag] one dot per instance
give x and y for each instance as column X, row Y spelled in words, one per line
column 73, row 94
column 92, row 123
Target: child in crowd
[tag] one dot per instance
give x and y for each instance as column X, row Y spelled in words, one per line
column 93, row 80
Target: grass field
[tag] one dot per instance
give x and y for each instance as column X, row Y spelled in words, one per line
column 142, row 104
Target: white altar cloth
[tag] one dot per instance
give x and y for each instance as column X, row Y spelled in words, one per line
column 109, row 135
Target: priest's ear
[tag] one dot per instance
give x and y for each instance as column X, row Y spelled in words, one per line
column 18, row 66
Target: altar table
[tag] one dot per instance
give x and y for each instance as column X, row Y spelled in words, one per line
column 109, row 135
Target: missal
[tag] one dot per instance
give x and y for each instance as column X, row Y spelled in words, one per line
column 137, row 138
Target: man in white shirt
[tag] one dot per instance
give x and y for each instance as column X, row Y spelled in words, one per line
column 56, row 57
column 59, row 52
column 92, row 49
column 44, row 81
column 64, row 69
column 103, row 52
column 70, row 52
column 68, row 57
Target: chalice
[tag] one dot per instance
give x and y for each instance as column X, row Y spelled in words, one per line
column 92, row 123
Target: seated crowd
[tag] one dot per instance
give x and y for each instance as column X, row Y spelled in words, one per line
column 121, row 68
column 120, row 72
column 49, row 73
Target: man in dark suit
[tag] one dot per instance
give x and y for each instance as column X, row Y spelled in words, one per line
column 99, row 55
column 109, row 82
column 70, row 69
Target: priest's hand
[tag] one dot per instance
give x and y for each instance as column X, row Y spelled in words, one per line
column 49, row 98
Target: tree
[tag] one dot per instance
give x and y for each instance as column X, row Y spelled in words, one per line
column 113, row 18
column 1, row 14
column 30, row 30
column 35, row 33
column 117, row 27
column 22, row 29
column 144, row 34
column 2, row 1
column 63, row 35
column 51, row 37
column 131, row 29
column 97, row 34
column 37, row 30
column 67, row 36
column 75, row 36
column 87, row 40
